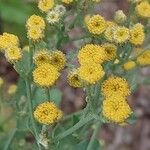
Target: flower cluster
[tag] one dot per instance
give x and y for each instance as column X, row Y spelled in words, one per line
column 115, row 107
column 9, row 44
column 116, row 33
column 108, row 53
column 49, row 63
column 35, row 27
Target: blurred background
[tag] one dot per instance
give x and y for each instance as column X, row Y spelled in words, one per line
column 13, row 15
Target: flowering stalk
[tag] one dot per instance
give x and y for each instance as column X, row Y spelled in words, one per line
column 74, row 128
column 96, row 129
column 28, row 90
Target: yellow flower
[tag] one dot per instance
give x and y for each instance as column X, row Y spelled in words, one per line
column 121, row 34
column 13, row 54
column 67, row 1
column 42, row 56
column 96, row 24
column 74, row 79
column 47, row 113
column 120, row 17
column 116, row 109
column 57, row 59
column 143, row 9
column 53, row 17
column 110, row 50
column 137, row 34
column 35, row 21
column 91, row 53
column 144, row 59
column 45, row 75
column 45, row 5
column 12, row 89
column 7, row 40
column 91, row 73
column 35, row 34
column 1, row 82
column 115, row 85
column 129, row 65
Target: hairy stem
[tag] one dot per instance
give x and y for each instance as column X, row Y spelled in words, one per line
column 81, row 123
column 10, row 139
column 28, row 90
column 90, row 145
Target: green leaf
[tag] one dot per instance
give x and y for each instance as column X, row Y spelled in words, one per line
column 56, row 96
column 22, row 123
column 84, row 144
column 132, row 119
column 39, row 96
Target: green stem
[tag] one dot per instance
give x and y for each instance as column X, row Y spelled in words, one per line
column 81, row 123
column 48, row 94
column 90, row 145
column 11, row 136
column 28, row 90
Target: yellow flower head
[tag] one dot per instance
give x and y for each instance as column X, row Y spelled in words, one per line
column 110, row 50
column 115, row 85
column 67, row 1
column 91, row 53
column 143, row 9
column 120, row 17
column 91, row 73
column 53, row 17
column 35, row 34
column 116, row 109
column 121, row 34
column 96, row 24
column 45, row 75
column 45, row 5
column 47, row 113
column 129, row 65
column 144, row 59
column 137, row 34
column 1, row 82
column 7, row 40
column 57, row 59
column 12, row 89
column 74, row 79
column 13, row 54
column 42, row 56
column 35, row 21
